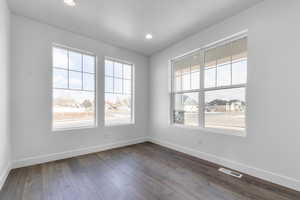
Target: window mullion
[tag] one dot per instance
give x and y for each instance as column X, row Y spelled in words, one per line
column 82, row 72
column 231, row 63
column 68, row 69
column 201, row 93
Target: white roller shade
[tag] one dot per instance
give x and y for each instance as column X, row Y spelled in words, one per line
column 188, row 61
column 225, row 53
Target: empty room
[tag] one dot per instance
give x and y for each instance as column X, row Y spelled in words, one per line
column 149, row 100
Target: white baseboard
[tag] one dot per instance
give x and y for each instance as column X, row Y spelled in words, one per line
column 259, row 173
column 4, row 175
column 77, row 152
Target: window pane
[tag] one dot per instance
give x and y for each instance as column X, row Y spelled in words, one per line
column 109, row 84
column 195, row 68
column 75, row 80
column 224, row 54
column 223, row 75
column 186, row 109
column 60, row 78
column 186, row 81
column 225, row 109
column 178, row 83
column 118, row 70
column 60, row 58
column 239, row 72
column 210, row 78
column 109, row 68
column 185, row 70
column 73, row 108
column 75, row 60
column 88, row 82
column 127, row 71
column 118, row 85
column 117, row 109
column 89, row 64
column 195, row 79
column 127, row 86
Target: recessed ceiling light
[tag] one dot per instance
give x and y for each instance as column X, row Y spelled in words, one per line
column 148, row 36
column 70, row 2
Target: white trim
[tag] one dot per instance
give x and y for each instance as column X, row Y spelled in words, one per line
column 253, row 171
column 4, row 175
column 231, row 132
column 72, row 153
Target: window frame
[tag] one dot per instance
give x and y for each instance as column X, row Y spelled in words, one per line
column 82, row 52
column 132, row 94
column 201, row 91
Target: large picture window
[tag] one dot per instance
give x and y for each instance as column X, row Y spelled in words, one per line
column 209, row 87
column 74, row 77
column 118, row 92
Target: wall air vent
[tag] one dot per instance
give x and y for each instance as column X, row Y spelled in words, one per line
column 231, row 173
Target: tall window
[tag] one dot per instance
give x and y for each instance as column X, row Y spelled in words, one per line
column 74, row 75
column 118, row 92
column 208, row 87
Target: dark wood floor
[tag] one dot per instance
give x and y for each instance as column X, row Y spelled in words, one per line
column 139, row 172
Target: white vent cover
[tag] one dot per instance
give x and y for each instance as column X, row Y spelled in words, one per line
column 231, row 173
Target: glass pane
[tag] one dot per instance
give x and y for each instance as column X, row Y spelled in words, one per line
column 60, row 78
column 210, row 78
column 117, row 109
column 186, row 82
column 186, row 109
column 88, row 82
column 239, row 49
column 178, row 83
column 109, row 68
column 195, row 68
column 75, row 60
column 89, row 64
column 127, row 86
column 73, row 108
column 118, row 70
column 60, row 58
column 75, row 80
column 225, row 109
column 195, row 80
column 239, row 72
column 118, row 85
column 177, row 72
column 223, row 75
column 224, row 54
column 185, row 70
column 127, row 71
column 109, row 84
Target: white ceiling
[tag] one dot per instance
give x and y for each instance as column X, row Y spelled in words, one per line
column 124, row 23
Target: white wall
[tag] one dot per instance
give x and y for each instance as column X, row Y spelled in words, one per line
column 272, row 147
column 4, row 90
column 31, row 82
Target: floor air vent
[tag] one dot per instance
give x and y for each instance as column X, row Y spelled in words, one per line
column 231, row 173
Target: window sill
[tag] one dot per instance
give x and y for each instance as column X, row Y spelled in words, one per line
column 213, row 130
column 62, row 129
column 119, row 124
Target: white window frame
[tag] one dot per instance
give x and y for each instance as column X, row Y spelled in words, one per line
column 202, row 89
column 132, row 121
column 67, row 48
